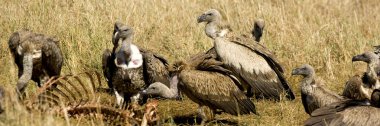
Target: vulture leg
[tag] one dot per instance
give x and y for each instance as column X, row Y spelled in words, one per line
column 119, row 98
column 26, row 74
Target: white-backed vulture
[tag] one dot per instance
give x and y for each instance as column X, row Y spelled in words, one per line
column 313, row 94
column 205, row 82
column 38, row 57
column 258, row 29
column 129, row 69
column 256, row 32
column 254, row 65
column 361, row 87
column 347, row 113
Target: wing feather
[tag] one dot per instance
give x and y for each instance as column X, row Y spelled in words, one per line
column 52, row 57
column 350, row 112
column 156, row 68
column 257, row 66
column 352, row 88
column 309, row 103
column 106, row 65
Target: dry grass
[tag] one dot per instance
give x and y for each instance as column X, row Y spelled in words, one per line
column 323, row 33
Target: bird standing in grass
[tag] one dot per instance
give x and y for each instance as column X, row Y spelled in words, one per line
column 360, row 87
column 256, row 68
column 129, row 69
column 37, row 56
column 313, row 94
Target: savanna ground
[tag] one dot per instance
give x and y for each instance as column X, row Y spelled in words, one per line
column 323, row 33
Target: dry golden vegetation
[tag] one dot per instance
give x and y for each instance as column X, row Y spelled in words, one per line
column 323, row 33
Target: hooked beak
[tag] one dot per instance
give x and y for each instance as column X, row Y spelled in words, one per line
column 115, row 37
column 201, row 18
column 295, row 72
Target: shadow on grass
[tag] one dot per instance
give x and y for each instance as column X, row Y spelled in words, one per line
column 194, row 120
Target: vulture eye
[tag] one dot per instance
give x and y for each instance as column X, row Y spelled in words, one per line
column 210, row 14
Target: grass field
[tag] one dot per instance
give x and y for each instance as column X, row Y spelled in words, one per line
column 323, row 33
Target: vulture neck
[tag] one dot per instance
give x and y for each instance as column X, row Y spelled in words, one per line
column 174, row 84
column 212, row 28
column 372, row 73
column 171, row 92
column 307, row 83
column 127, row 41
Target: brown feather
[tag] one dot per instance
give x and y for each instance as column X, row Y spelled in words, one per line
column 205, row 82
column 318, row 97
column 215, row 91
column 129, row 81
column 313, row 93
column 156, row 68
column 352, row 89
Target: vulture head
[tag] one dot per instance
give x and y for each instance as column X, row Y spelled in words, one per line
column 157, row 88
column 122, row 40
column 121, row 31
column 258, row 29
column 210, row 16
column 368, row 57
column 305, row 70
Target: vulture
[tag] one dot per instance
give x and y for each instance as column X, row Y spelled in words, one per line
column 313, row 93
column 361, row 87
column 256, row 68
column 37, row 56
column 207, row 83
column 258, row 29
column 347, row 113
column 128, row 69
